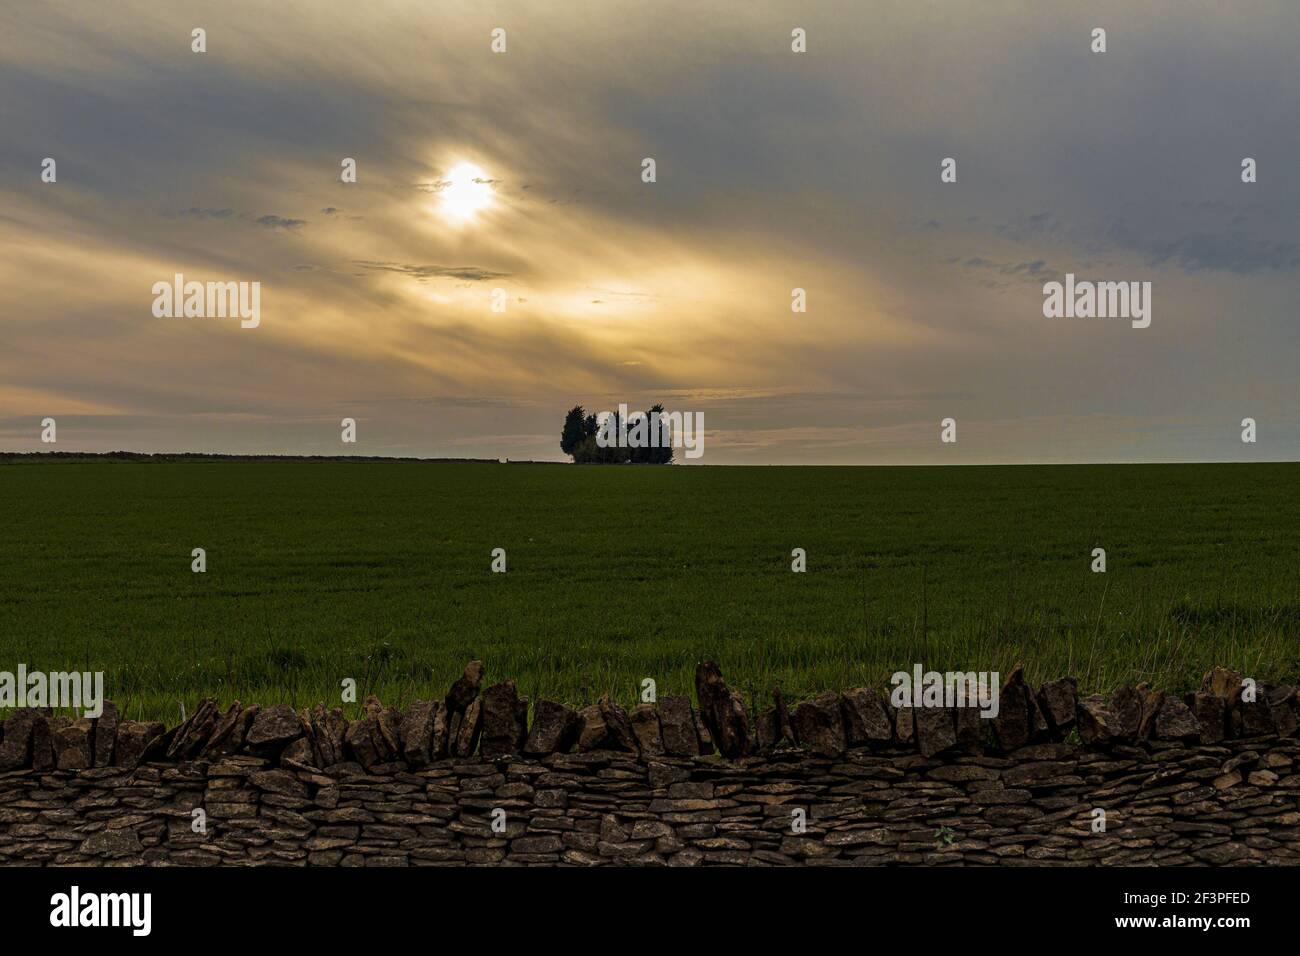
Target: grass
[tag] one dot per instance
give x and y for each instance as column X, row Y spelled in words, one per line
column 380, row 572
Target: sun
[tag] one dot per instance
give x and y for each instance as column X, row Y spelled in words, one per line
column 466, row 191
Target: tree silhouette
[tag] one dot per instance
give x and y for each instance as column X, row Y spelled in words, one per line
column 574, row 430
column 578, row 439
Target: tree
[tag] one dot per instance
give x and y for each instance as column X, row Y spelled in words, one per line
column 579, row 439
column 574, row 430
column 663, row 453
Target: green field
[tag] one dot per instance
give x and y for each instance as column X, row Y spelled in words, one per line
column 318, row 571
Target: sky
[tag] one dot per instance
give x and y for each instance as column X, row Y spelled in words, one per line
column 521, row 171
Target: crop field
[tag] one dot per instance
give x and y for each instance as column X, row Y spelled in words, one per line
column 381, row 572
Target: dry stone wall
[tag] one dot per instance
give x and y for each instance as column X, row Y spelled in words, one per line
column 1138, row 777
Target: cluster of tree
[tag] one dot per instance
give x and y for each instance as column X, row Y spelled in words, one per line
column 579, row 439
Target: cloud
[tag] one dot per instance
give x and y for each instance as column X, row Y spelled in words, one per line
column 195, row 213
column 279, row 222
column 468, row 273
column 1210, row 252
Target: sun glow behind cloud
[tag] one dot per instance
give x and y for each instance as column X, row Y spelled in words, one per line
column 466, row 191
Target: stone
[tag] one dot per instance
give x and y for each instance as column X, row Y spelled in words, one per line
column 1223, row 683
column 1039, row 729
column 112, row 843
column 645, row 727
column 384, row 730
column 783, row 728
column 704, row 739
column 220, row 742
column 299, row 755
column 466, row 688
column 416, row 731
column 468, row 730
column 555, row 729
column 1175, row 721
column 329, row 732
column 521, row 722
column 866, row 722
column 722, row 711
column 1282, row 702
column 1013, row 724
column 936, row 729
column 273, row 728
column 105, row 735
column 277, row 781
column 592, row 732
column 74, row 745
column 1211, row 714
column 43, row 730
column 618, row 726
column 819, row 725
column 1126, row 711
column 134, row 738
column 440, row 736
column 359, row 745
column 194, row 731
column 501, row 730
column 765, row 732
column 1097, row 726
column 1057, row 699
column 235, row 742
column 971, row 726
column 1152, row 703
column 677, row 725
column 16, row 747
column 1257, row 716
column 904, row 726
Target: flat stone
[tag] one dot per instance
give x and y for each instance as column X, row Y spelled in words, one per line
column 1057, row 700
column 273, row 728
column 819, row 725
column 677, row 724
column 16, row 746
column 618, row 726
column 74, row 747
column 1012, row 725
column 936, row 729
column 1097, row 726
column 466, row 688
column 866, row 721
column 722, row 711
column 1210, row 711
column 134, row 737
column 105, row 735
column 221, row 741
column 502, row 731
column 415, row 732
column 1176, row 721
column 555, row 729
column 645, row 727
column 467, row 730
column 194, row 731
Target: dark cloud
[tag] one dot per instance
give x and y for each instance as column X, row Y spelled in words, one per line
column 468, row 273
column 196, row 213
column 279, row 222
column 1210, row 252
